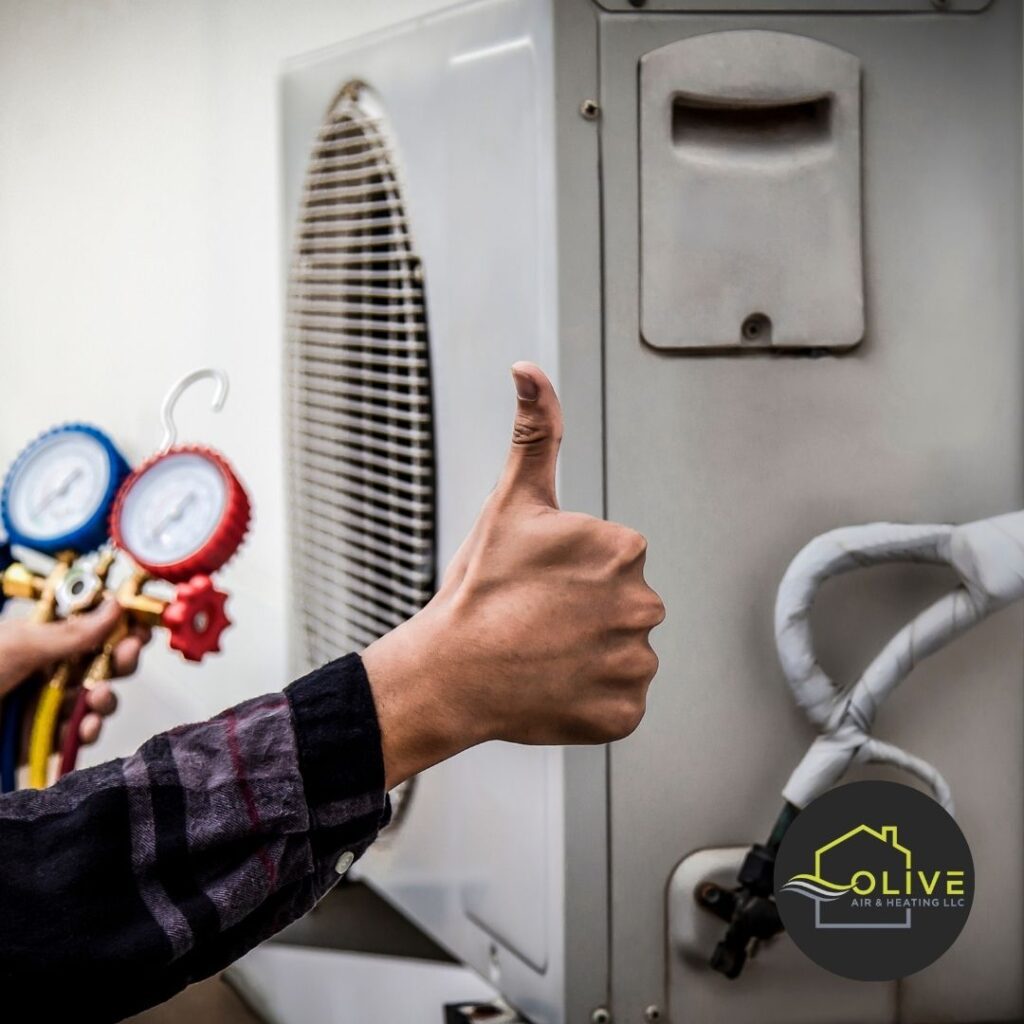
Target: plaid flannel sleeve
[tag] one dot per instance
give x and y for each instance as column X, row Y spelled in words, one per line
column 5, row 560
column 126, row 882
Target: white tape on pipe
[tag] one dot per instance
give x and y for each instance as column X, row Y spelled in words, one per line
column 988, row 555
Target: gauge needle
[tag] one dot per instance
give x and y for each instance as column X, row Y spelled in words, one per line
column 59, row 491
column 174, row 516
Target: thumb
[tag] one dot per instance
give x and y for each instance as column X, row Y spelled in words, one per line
column 52, row 641
column 536, row 434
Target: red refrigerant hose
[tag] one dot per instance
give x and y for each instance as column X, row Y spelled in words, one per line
column 73, row 736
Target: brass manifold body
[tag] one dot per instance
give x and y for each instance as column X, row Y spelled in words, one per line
column 19, row 581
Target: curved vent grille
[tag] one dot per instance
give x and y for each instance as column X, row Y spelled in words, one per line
column 361, row 445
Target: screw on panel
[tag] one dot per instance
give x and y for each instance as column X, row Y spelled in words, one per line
column 493, row 966
column 637, row 3
column 652, row 1013
column 590, row 109
column 757, row 327
column 600, row 1016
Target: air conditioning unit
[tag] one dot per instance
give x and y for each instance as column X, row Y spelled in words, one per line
column 770, row 253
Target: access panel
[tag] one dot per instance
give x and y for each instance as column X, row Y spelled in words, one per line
column 731, row 461
column 750, row 218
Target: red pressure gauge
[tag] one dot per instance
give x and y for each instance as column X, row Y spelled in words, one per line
column 182, row 513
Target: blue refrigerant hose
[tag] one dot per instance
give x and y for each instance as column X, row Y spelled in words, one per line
column 10, row 729
column 10, row 711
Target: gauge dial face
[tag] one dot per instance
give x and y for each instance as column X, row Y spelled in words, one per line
column 59, row 486
column 173, row 508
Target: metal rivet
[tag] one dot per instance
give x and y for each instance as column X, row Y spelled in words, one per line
column 590, row 109
column 652, row 1013
column 600, row 1016
column 344, row 862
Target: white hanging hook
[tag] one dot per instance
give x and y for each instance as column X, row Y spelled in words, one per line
column 172, row 396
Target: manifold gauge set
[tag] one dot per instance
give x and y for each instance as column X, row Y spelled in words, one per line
column 176, row 519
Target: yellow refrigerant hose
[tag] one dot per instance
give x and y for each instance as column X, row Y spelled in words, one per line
column 43, row 738
column 45, row 607
column 44, row 726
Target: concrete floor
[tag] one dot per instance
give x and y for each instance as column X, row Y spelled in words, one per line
column 211, row 1002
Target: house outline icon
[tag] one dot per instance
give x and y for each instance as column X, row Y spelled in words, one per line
column 887, row 835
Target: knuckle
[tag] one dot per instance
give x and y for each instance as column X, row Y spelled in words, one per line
column 529, row 435
column 620, row 663
column 640, row 544
column 646, row 611
column 587, row 530
column 630, row 546
column 649, row 664
column 632, row 665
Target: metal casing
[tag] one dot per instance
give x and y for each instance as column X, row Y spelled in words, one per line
column 549, row 870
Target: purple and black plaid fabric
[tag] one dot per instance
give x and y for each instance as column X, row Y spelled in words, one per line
column 126, row 882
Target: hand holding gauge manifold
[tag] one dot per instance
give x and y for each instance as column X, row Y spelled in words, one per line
column 180, row 516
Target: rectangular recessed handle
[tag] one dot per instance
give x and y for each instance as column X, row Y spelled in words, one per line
column 700, row 122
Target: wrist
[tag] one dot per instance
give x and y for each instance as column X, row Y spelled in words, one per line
column 426, row 714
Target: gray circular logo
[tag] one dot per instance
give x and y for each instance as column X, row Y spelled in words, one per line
column 874, row 881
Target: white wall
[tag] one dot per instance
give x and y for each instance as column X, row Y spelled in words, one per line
column 140, row 237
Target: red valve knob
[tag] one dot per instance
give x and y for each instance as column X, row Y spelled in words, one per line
column 195, row 618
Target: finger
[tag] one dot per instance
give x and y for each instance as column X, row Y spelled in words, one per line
column 89, row 730
column 658, row 610
column 48, row 642
column 143, row 632
column 536, row 434
column 102, row 699
column 126, row 656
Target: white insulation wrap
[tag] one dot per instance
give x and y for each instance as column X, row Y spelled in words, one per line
column 988, row 556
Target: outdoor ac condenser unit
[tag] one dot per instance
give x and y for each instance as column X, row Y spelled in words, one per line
column 770, row 253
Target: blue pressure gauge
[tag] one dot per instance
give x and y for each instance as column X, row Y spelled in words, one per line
column 57, row 494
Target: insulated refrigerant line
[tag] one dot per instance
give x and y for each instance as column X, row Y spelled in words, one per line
column 987, row 555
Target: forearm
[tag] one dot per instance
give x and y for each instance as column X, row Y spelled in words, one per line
column 426, row 712
column 135, row 878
